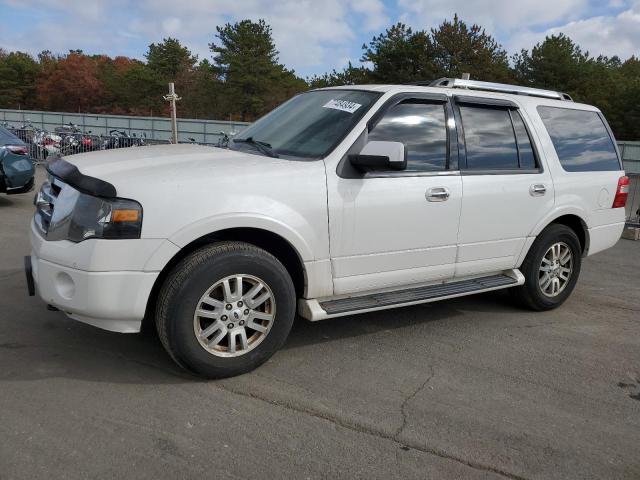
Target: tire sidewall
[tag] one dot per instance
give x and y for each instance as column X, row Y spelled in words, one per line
column 182, row 337
column 554, row 234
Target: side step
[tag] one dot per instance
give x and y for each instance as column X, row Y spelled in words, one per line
column 319, row 310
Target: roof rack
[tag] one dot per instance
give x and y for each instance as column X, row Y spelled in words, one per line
column 496, row 87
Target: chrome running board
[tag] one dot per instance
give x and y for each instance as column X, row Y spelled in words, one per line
column 330, row 308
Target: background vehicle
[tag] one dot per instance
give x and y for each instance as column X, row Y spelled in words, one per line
column 341, row 201
column 16, row 167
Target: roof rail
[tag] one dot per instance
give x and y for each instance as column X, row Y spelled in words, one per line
column 497, row 87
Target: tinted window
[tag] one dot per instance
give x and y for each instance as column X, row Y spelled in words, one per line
column 527, row 157
column 580, row 138
column 6, row 137
column 489, row 138
column 421, row 127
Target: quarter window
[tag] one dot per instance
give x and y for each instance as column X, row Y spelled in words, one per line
column 422, row 129
column 525, row 150
column 580, row 138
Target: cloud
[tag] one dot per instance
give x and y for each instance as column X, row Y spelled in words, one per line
column 373, row 12
column 495, row 16
column 607, row 35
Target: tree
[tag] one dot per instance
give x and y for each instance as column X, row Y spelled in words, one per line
column 458, row 49
column 560, row 64
column 350, row 75
column 130, row 87
column 202, row 93
column 170, row 59
column 18, row 72
column 70, row 84
column 247, row 60
column 399, row 55
column 557, row 63
column 625, row 122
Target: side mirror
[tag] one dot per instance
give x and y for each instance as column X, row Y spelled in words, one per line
column 380, row 156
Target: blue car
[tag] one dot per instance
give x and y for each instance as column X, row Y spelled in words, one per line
column 16, row 168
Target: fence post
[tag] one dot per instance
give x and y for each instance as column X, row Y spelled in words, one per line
column 172, row 98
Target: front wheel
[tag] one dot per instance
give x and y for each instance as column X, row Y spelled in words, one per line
column 225, row 309
column 551, row 269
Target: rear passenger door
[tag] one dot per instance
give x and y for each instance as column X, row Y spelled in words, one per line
column 506, row 190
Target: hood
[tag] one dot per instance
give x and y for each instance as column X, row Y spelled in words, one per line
column 187, row 191
column 172, row 166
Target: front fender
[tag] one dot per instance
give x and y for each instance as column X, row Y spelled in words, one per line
column 217, row 223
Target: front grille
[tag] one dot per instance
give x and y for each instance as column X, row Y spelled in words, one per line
column 45, row 201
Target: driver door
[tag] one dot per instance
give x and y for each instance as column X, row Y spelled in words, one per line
column 390, row 229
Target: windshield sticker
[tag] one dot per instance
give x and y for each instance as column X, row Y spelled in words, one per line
column 342, row 105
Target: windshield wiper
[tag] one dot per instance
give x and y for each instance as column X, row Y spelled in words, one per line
column 263, row 147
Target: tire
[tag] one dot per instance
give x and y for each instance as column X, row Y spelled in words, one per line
column 531, row 294
column 203, row 284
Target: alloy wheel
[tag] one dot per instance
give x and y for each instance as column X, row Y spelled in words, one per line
column 555, row 269
column 234, row 315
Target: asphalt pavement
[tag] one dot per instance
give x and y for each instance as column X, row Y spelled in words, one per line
column 467, row 388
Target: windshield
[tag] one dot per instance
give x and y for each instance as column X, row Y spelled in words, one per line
column 309, row 125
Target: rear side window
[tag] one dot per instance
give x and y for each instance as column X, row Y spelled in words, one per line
column 6, row 137
column 496, row 139
column 581, row 140
column 422, row 128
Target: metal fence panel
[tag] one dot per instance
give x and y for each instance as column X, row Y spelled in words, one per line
column 630, row 152
column 155, row 128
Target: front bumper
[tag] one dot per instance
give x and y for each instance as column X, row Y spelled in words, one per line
column 26, row 188
column 114, row 301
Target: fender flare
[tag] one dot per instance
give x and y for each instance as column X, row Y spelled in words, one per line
column 549, row 219
column 217, row 223
column 561, row 212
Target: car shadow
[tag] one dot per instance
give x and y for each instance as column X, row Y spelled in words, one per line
column 67, row 349
column 306, row 333
column 5, row 201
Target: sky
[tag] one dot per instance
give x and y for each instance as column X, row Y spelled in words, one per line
column 312, row 36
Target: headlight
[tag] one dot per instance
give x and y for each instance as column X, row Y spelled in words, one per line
column 105, row 218
column 71, row 215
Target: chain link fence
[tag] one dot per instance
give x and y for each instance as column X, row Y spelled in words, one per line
column 60, row 133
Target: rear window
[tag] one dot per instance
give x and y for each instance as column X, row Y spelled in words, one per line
column 581, row 140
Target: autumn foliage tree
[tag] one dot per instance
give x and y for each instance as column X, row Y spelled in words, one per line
column 71, row 84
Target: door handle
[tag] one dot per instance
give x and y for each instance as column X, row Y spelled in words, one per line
column 537, row 190
column 437, row 194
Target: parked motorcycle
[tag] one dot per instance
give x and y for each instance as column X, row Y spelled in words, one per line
column 122, row 139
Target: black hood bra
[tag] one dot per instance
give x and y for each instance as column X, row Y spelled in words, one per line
column 69, row 173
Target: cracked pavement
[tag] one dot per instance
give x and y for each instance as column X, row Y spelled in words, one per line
column 467, row 388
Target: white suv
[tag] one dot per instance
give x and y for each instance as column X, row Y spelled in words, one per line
column 341, row 201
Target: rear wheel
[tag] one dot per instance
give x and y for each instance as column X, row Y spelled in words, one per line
column 551, row 269
column 225, row 309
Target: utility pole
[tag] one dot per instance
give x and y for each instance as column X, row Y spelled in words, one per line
column 172, row 98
